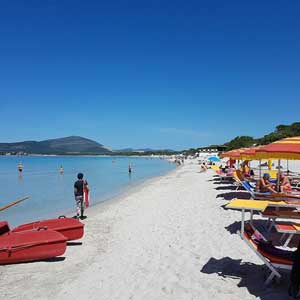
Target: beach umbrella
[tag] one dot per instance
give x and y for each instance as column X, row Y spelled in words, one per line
column 235, row 154
column 288, row 148
column 253, row 154
column 214, row 159
column 243, row 154
column 250, row 153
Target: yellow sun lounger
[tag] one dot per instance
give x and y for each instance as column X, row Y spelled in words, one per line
column 215, row 167
column 274, row 263
column 243, row 205
column 253, row 205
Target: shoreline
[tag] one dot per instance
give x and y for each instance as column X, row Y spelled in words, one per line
column 167, row 238
column 110, row 182
column 126, row 192
column 89, row 155
column 111, row 199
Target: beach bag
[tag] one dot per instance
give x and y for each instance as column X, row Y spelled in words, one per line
column 295, row 275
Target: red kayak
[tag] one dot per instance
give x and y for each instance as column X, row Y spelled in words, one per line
column 71, row 228
column 27, row 246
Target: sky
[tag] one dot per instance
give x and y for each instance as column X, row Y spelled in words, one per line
column 159, row 74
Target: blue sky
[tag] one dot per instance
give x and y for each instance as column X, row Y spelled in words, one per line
column 160, row 74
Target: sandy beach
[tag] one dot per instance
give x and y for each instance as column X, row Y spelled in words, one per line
column 169, row 238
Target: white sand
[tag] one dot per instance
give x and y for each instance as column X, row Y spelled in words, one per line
column 166, row 239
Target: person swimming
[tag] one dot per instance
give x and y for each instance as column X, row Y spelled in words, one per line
column 129, row 169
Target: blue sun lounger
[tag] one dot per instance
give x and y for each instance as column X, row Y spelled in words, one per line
column 251, row 190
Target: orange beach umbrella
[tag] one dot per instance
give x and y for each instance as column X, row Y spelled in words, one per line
column 234, row 154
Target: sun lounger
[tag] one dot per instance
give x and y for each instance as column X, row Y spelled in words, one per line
column 215, row 167
column 263, row 206
column 273, row 215
column 247, row 205
column 274, row 258
column 223, row 176
column 268, row 195
column 251, row 190
column 287, row 229
column 237, row 180
column 295, row 181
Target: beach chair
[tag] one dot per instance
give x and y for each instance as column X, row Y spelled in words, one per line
column 268, row 195
column 251, row 190
column 274, row 258
column 272, row 215
column 287, row 229
column 237, row 180
column 215, row 167
column 266, row 209
column 223, row 176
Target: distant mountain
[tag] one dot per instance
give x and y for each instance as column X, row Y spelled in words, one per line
column 66, row 145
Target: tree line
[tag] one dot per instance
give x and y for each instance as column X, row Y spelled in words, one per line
column 280, row 132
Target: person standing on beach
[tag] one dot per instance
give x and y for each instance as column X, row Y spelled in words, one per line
column 79, row 187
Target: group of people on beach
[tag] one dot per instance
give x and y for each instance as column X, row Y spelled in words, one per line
column 265, row 184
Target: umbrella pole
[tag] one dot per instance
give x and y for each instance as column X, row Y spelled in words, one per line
column 259, row 162
column 278, row 177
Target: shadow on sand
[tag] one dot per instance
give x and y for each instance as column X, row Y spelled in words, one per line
column 226, row 188
column 250, row 276
column 260, row 225
column 234, row 228
column 74, row 244
column 223, row 182
column 48, row 260
column 232, row 195
column 54, row 259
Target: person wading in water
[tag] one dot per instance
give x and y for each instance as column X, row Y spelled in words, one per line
column 20, row 168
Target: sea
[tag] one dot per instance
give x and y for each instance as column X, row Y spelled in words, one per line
column 51, row 192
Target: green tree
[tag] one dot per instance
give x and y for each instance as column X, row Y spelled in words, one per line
column 241, row 142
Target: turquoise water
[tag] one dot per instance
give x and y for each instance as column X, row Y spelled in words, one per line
column 51, row 193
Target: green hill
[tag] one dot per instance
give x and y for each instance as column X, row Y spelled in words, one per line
column 66, row 145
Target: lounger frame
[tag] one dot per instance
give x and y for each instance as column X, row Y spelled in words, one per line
column 273, row 267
